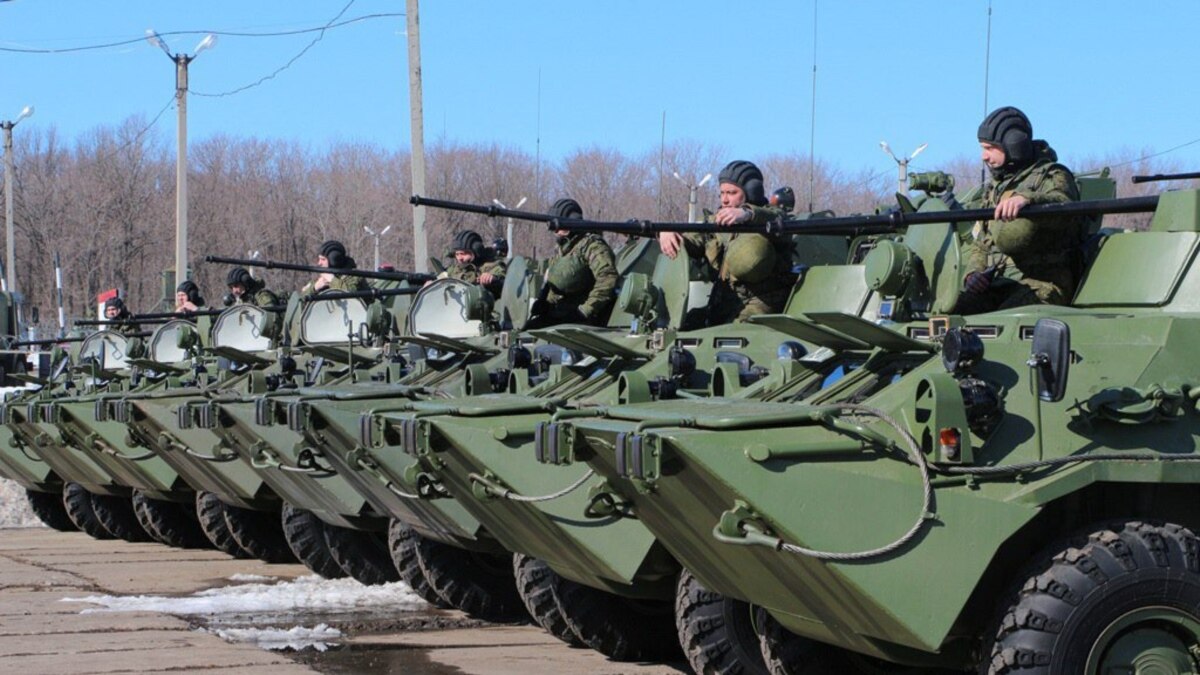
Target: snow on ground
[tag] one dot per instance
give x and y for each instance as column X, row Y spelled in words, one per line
column 247, row 578
column 14, row 507
column 238, row 613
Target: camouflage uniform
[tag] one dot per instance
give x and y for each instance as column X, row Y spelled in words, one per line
column 341, row 282
column 1036, row 259
column 593, row 304
column 470, row 273
column 733, row 300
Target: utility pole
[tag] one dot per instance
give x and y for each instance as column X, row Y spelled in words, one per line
column 10, row 237
column 693, row 206
column 902, row 178
column 376, row 237
column 181, row 88
column 417, row 127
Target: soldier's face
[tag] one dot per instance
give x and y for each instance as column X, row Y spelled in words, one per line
column 322, row 261
column 732, row 196
column 180, row 297
column 992, row 155
column 237, row 290
column 464, row 257
column 111, row 312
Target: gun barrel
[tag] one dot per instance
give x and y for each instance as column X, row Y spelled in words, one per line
column 374, row 293
column 489, row 210
column 117, row 322
column 1166, row 176
column 293, row 267
column 76, row 338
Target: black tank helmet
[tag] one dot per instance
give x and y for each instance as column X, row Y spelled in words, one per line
column 193, row 292
column 469, row 240
column 335, row 252
column 748, row 177
column 239, row 276
column 1010, row 129
column 784, row 198
column 566, row 208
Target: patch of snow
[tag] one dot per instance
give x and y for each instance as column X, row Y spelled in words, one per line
column 304, row 594
column 14, row 507
column 319, row 637
column 252, row 577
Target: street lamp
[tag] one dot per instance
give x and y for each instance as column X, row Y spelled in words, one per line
column 902, row 180
column 377, row 236
column 10, row 274
column 181, row 88
column 508, row 233
column 692, row 190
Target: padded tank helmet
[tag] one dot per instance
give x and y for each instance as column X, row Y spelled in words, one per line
column 750, row 258
column 569, row 275
column 566, row 208
column 239, row 276
column 192, row 291
column 784, row 198
column 748, row 177
column 469, row 240
column 1010, row 129
column 335, row 252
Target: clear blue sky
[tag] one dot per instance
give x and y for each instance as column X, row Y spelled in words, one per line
column 1094, row 76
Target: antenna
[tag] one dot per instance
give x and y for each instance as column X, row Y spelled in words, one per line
column 662, row 154
column 987, row 68
column 812, row 130
column 537, row 167
column 902, row 179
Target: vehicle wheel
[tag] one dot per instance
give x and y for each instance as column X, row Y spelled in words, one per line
column 363, row 555
column 535, row 583
column 210, row 511
column 169, row 523
column 480, row 584
column 260, row 533
column 1127, row 600
column 305, row 535
column 716, row 632
column 49, row 508
column 623, row 629
column 786, row 653
column 403, row 547
column 78, row 503
column 118, row 517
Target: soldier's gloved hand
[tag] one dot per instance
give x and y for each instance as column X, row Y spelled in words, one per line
column 978, row 282
column 486, row 278
column 732, row 215
column 670, row 243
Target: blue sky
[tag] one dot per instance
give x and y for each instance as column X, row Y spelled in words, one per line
column 1094, row 76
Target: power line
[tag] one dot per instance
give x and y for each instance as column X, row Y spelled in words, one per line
column 1155, row 154
column 320, row 35
column 122, row 43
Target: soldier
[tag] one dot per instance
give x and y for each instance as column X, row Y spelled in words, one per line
column 1013, row 261
column 754, row 271
column 187, row 297
column 475, row 264
column 245, row 289
column 783, row 199
column 115, row 310
column 332, row 254
column 581, row 281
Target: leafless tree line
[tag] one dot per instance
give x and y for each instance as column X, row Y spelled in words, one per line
column 105, row 201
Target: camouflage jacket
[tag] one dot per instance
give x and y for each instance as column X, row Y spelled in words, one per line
column 470, row 273
column 599, row 258
column 1036, row 247
column 260, row 298
column 341, row 282
column 742, row 299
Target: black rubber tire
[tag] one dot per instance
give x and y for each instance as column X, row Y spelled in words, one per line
column 49, row 508
column 623, row 629
column 480, row 584
column 535, row 583
column 1060, row 611
column 362, row 555
column 118, row 517
column 260, row 533
column 305, row 535
column 169, row 523
column 715, row 631
column 210, row 512
column 403, row 548
column 78, row 503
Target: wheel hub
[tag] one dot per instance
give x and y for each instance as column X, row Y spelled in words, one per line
column 1148, row 641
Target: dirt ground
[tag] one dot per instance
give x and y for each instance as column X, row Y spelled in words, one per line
column 39, row 633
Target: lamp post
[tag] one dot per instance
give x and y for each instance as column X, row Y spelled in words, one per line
column 181, row 87
column 508, row 231
column 10, row 273
column 377, row 236
column 902, row 180
column 692, row 190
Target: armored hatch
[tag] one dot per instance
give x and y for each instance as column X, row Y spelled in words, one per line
column 331, row 321
column 242, row 327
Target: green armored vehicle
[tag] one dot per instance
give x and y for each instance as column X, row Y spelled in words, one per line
column 1017, row 498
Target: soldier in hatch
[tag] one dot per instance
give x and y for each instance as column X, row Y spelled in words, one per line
column 188, row 298
column 754, row 271
column 115, row 310
column 475, row 264
column 1012, row 261
column 332, row 254
column 245, row 289
column 783, row 199
column 581, row 280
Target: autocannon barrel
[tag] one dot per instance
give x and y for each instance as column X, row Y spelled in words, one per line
column 73, row 338
column 293, row 267
column 373, row 293
column 1166, row 176
column 848, row 225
